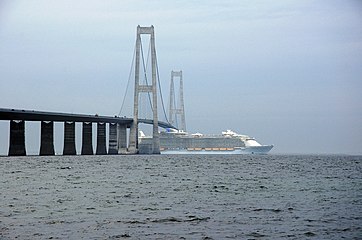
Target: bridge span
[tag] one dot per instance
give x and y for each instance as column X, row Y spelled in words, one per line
column 118, row 126
column 117, row 131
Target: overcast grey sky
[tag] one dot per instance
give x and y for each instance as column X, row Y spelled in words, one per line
column 287, row 72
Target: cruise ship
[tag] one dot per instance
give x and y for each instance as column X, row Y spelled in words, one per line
column 174, row 141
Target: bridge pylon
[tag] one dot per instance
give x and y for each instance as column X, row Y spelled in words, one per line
column 175, row 110
column 145, row 88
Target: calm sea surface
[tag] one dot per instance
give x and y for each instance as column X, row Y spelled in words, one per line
column 181, row 197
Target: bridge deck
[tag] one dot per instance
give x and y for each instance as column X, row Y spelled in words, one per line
column 30, row 115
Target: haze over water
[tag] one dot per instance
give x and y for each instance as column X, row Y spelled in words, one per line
column 181, row 197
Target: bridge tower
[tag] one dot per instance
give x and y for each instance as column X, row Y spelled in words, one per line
column 174, row 110
column 133, row 142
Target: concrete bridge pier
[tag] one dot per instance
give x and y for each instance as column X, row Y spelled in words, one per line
column 112, row 148
column 69, row 139
column 87, row 146
column 133, row 137
column 47, row 138
column 17, row 138
column 122, row 138
column 101, row 139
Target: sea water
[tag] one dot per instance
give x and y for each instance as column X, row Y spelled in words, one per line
column 181, row 197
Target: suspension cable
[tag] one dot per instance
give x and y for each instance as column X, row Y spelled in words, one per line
column 145, row 74
column 175, row 106
column 159, row 85
column 129, row 80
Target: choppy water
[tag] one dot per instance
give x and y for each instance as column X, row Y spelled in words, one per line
column 181, row 197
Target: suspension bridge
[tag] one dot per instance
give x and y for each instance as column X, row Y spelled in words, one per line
column 123, row 131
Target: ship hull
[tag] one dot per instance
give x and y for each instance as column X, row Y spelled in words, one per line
column 242, row 150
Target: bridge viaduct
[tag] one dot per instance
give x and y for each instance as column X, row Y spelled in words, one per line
column 117, row 132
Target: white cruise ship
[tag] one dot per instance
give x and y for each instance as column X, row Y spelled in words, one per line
column 179, row 142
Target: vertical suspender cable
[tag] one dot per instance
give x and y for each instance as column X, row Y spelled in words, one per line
column 129, row 80
column 159, row 86
column 145, row 74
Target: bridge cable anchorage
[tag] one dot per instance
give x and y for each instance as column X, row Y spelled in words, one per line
column 159, row 85
column 129, row 80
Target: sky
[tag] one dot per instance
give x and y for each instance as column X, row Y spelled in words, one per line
column 286, row 72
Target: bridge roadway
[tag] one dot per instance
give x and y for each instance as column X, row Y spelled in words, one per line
column 117, row 132
column 30, row 115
